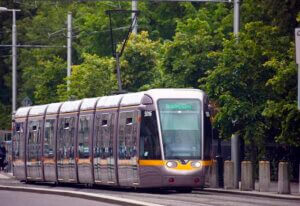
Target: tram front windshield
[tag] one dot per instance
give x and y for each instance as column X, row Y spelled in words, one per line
column 181, row 128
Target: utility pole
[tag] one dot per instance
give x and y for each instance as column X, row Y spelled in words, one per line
column 297, row 43
column 236, row 16
column 14, row 62
column 69, row 49
column 134, row 6
column 235, row 138
column 14, row 57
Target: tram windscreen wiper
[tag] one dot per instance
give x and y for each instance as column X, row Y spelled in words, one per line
column 183, row 160
column 180, row 158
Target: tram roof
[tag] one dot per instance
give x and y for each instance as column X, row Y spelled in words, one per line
column 89, row 103
column 175, row 93
column 38, row 110
column 22, row 112
column 71, row 106
column 109, row 101
column 132, row 99
column 54, row 108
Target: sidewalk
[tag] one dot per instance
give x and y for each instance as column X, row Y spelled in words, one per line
column 295, row 195
column 5, row 175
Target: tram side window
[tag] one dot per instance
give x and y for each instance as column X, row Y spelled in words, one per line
column 17, row 138
column 97, row 136
column 104, row 135
column 104, row 145
column 60, row 139
column 83, row 136
column 49, row 138
column 108, row 132
column 68, row 137
column 128, row 134
column 7, row 137
column 149, row 139
column 111, row 133
column 207, row 138
column 30, row 140
column 65, row 141
column 34, row 140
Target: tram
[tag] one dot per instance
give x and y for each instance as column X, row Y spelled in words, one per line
column 160, row 138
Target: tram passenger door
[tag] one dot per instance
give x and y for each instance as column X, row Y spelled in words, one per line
column 128, row 148
column 104, row 162
column 34, row 150
column 49, row 149
column 66, row 170
column 18, row 144
column 83, row 149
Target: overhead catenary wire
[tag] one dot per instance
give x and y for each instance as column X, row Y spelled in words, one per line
column 81, row 1
column 55, row 33
column 33, row 46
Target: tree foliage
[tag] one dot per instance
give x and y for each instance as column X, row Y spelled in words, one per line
column 281, row 110
column 251, row 79
column 94, row 77
column 239, row 82
column 185, row 59
column 139, row 62
column 43, row 79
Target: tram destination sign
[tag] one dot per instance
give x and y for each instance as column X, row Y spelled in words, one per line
column 177, row 106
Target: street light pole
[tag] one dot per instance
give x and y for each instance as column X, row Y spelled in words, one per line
column 297, row 49
column 69, row 49
column 235, row 138
column 14, row 62
column 134, row 18
column 14, row 57
column 236, row 16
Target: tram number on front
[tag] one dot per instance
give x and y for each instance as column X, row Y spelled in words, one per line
column 148, row 114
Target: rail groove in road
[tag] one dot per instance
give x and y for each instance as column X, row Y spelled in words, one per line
column 85, row 195
column 150, row 197
column 255, row 194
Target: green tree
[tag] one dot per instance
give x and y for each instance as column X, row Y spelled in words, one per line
column 139, row 62
column 5, row 65
column 40, row 70
column 43, row 79
column 94, row 77
column 5, row 116
column 239, row 83
column 281, row 110
column 159, row 18
column 185, row 59
column 281, row 14
column 91, row 23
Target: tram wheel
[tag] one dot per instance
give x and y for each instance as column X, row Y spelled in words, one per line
column 184, row 190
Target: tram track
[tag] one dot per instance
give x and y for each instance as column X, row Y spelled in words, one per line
column 84, row 195
column 209, row 198
column 148, row 197
column 108, row 196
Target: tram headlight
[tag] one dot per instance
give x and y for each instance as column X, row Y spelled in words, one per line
column 171, row 164
column 196, row 164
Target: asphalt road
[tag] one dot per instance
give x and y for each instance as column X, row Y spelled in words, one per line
column 200, row 198
column 12, row 198
column 162, row 197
